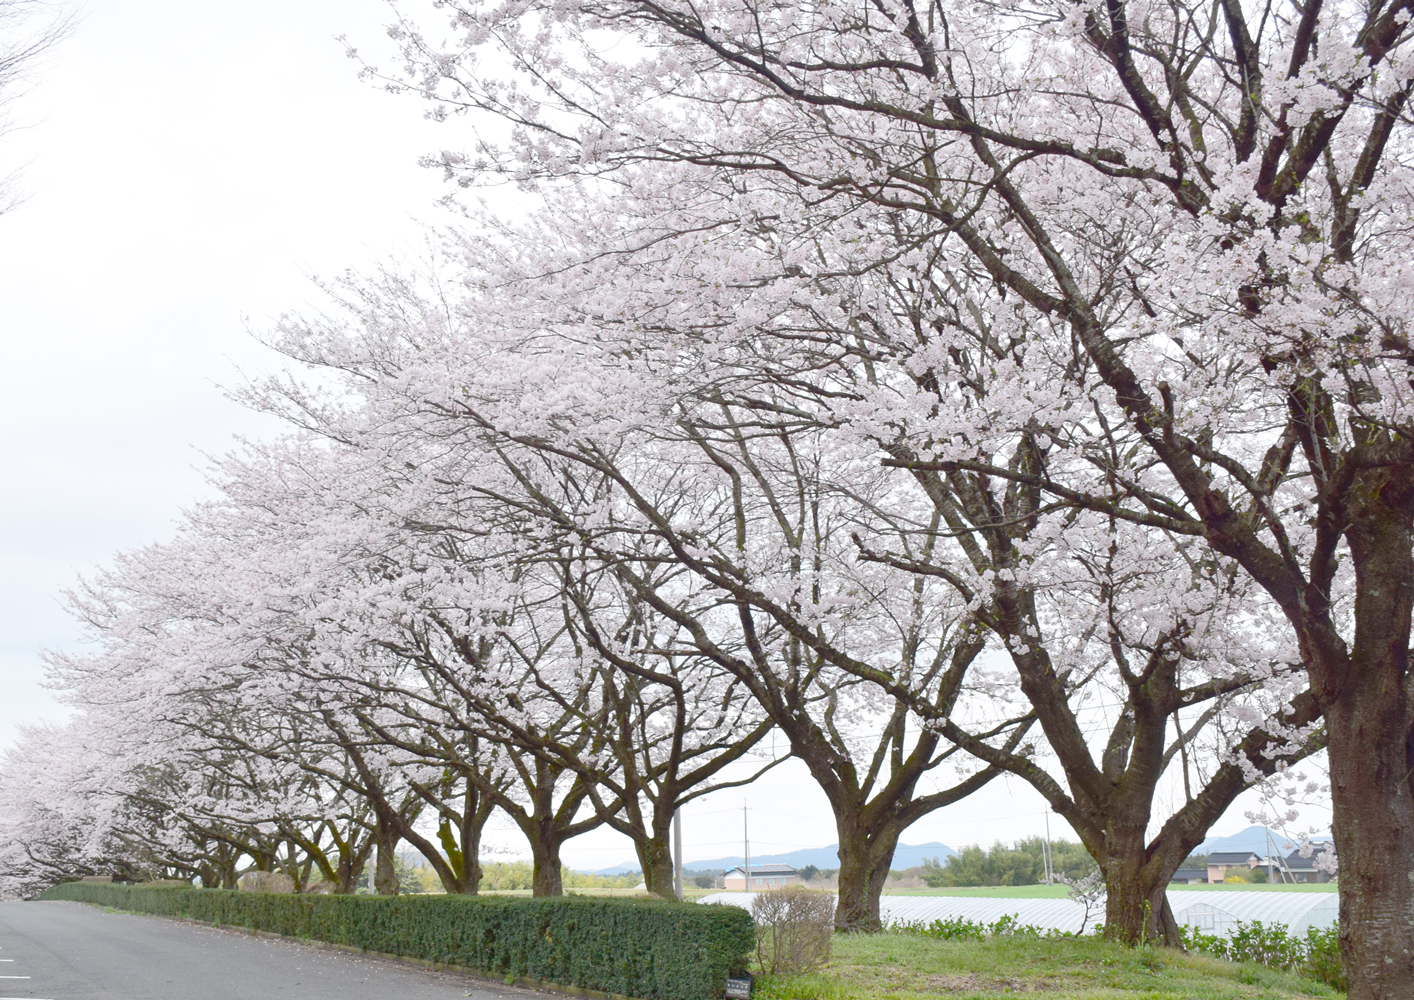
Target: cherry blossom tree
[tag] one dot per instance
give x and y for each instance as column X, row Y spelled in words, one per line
column 49, row 832
column 735, row 535
column 195, row 677
column 1127, row 614
column 1187, row 220
column 773, row 357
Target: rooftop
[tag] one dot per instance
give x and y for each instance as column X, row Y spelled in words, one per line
column 765, row 870
column 1296, row 862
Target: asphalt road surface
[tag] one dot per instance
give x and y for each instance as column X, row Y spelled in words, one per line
column 70, row 951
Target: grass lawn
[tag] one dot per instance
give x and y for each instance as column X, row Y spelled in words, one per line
column 1059, row 891
column 891, row 966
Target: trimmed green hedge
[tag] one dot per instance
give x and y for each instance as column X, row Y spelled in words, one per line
column 653, row 949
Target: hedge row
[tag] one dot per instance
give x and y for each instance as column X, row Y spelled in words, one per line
column 653, row 949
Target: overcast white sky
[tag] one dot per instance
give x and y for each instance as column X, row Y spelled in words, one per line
column 190, row 166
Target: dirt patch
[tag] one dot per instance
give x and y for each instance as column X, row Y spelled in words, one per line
column 972, row 983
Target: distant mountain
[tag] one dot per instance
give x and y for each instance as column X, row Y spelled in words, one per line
column 906, row 856
column 1254, row 839
column 629, row 868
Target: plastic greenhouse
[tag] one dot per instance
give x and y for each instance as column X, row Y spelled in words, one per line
column 1211, row 912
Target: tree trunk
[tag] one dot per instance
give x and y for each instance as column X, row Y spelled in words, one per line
column 459, row 866
column 548, row 826
column 1137, row 907
column 293, row 868
column 1374, row 833
column 477, row 810
column 1136, row 880
column 656, row 856
column 546, row 880
column 864, row 868
column 1370, row 725
column 352, row 862
column 385, row 877
column 344, row 875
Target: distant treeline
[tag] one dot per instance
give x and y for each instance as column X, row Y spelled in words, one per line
column 1021, row 864
column 503, row 876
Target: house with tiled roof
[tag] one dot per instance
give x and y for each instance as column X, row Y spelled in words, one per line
column 762, row 877
column 1190, row 876
column 1218, row 864
column 1296, row 868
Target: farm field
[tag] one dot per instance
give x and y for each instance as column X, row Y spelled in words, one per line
column 905, row 967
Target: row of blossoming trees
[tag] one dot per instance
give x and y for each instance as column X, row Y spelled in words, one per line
column 954, row 389
column 400, row 618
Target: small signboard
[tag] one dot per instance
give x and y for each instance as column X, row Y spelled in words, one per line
column 739, row 986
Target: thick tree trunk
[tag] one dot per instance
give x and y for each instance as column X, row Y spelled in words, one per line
column 385, row 877
column 1374, row 834
column 545, row 879
column 477, row 810
column 351, row 865
column 864, row 868
column 1136, row 883
column 1370, row 722
column 655, row 854
column 1137, row 907
column 298, row 873
column 344, row 875
column 461, row 872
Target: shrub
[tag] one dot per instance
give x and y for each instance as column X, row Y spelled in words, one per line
column 1323, row 957
column 266, row 882
column 654, row 949
column 1021, row 864
column 948, row 929
column 1317, row 955
column 1235, row 878
column 962, row 929
column 794, row 927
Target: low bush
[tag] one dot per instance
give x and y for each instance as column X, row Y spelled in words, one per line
column 1316, row 955
column 266, row 882
column 794, row 927
column 653, row 949
column 962, row 929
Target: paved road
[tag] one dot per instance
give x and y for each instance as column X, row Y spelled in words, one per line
column 69, row 951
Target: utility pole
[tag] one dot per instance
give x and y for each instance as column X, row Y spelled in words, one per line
column 746, row 846
column 677, row 853
column 1281, row 867
column 1050, row 866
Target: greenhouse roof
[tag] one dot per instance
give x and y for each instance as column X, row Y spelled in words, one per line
column 1210, row 912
